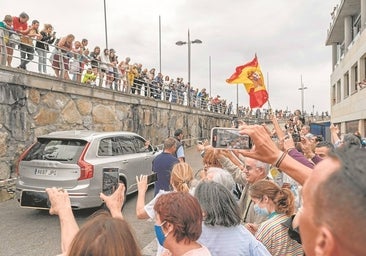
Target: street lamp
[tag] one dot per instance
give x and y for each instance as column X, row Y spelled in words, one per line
column 105, row 25
column 302, row 88
column 189, row 42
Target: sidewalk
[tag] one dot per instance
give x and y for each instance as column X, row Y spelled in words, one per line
column 7, row 188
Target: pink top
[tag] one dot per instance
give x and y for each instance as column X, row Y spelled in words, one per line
column 203, row 251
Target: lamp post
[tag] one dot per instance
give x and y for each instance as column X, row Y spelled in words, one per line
column 302, row 88
column 209, row 74
column 189, row 42
column 105, row 25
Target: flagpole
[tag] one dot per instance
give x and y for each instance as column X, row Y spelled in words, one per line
column 237, row 100
column 159, row 44
column 209, row 74
column 269, row 105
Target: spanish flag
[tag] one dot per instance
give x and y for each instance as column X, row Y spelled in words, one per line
column 251, row 76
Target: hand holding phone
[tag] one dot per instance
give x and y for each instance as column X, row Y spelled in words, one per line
column 34, row 199
column 229, row 138
column 110, row 180
column 152, row 178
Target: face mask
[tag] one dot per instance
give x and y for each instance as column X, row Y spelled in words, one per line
column 160, row 234
column 261, row 211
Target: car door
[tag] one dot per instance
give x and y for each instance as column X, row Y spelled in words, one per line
column 121, row 152
column 147, row 154
column 134, row 159
column 118, row 151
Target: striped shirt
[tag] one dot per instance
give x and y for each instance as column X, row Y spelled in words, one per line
column 275, row 237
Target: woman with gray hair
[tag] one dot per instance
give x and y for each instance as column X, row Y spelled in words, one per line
column 221, row 176
column 222, row 232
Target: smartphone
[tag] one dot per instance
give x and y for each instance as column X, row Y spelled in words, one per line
column 296, row 137
column 110, row 180
column 34, row 199
column 152, row 178
column 229, row 138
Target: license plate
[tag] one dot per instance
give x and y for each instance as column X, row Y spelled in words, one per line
column 45, row 172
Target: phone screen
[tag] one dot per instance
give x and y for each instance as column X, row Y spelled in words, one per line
column 152, row 178
column 34, row 199
column 110, row 180
column 229, row 138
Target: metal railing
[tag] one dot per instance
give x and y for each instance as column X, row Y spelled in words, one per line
column 76, row 67
column 85, row 71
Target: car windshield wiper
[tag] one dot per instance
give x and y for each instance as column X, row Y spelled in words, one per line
column 60, row 159
column 56, row 159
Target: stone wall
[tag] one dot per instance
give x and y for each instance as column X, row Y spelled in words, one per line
column 33, row 104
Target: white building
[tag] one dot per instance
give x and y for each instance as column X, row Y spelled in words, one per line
column 347, row 36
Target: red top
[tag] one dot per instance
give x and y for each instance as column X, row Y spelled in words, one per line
column 18, row 26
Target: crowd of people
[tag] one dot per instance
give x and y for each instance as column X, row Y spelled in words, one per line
column 264, row 114
column 282, row 197
column 293, row 193
column 71, row 59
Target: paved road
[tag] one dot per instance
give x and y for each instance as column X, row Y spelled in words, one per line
column 33, row 232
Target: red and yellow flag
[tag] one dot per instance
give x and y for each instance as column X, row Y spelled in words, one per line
column 251, row 76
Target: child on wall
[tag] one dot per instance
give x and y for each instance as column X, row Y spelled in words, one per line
column 89, row 77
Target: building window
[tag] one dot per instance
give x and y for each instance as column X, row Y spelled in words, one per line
column 351, row 126
column 354, row 78
column 356, row 25
column 341, row 50
column 334, row 99
column 346, row 85
column 339, row 91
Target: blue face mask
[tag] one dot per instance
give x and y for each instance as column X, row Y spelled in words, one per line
column 261, row 211
column 160, row 234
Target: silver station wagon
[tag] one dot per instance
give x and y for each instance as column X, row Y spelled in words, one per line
column 76, row 160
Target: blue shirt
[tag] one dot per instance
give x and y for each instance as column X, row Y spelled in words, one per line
column 231, row 241
column 163, row 165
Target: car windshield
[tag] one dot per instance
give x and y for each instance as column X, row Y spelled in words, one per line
column 66, row 150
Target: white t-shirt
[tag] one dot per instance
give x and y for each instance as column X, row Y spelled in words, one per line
column 149, row 207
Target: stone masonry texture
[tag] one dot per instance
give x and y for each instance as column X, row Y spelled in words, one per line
column 33, row 105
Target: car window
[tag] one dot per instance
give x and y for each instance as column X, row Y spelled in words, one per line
column 124, row 145
column 65, row 150
column 140, row 145
column 115, row 146
column 105, row 147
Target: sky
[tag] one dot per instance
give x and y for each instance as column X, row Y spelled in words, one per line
column 287, row 36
